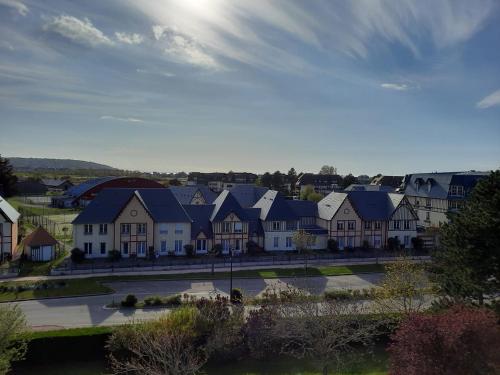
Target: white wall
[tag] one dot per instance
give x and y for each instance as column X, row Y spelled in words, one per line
column 79, row 238
column 171, row 236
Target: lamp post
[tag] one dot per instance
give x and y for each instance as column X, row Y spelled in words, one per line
column 231, row 276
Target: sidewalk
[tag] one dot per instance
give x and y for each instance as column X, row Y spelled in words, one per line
column 208, row 270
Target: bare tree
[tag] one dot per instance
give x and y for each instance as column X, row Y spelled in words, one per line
column 403, row 288
column 303, row 240
column 159, row 353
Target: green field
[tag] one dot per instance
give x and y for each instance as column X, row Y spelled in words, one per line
column 93, row 285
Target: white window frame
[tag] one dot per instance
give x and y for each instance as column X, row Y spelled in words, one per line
column 88, row 229
column 340, row 225
column 378, row 225
column 276, row 242
column 396, row 224
column 276, row 225
column 163, row 247
column 201, row 245
column 238, row 227
column 87, row 246
column 226, row 227
column 125, row 228
column 351, row 225
column 178, row 229
column 103, row 229
column 368, row 225
column 289, row 242
column 141, row 229
column 178, row 248
column 141, row 247
column 103, row 249
column 163, row 228
column 125, row 249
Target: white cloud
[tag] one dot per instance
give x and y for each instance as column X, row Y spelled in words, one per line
column 129, row 38
column 77, row 30
column 161, row 73
column 491, row 100
column 124, row 119
column 395, row 86
column 18, row 6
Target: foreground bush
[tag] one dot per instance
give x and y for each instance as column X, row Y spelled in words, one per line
column 77, row 255
column 12, row 336
column 129, row 301
column 460, row 341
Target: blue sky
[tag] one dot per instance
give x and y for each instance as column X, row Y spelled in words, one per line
column 369, row 86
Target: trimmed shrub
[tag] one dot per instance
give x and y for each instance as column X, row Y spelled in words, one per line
column 417, row 242
column 189, row 249
column 153, row 301
column 236, row 296
column 217, row 250
column 253, row 248
column 129, row 301
column 77, row 255
column 393, row 244
column 338, row 295
column 332, row 245
column 173, row 300
column 365, row 245
column 114, row 255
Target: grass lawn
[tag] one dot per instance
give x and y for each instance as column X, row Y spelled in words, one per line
column 93, row 285
column 29, row 268
column 17, row 202
column 71, row 332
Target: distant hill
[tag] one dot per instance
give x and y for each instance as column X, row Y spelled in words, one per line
column 30, row 164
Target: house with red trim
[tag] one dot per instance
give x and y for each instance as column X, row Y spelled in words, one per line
column 8, row 230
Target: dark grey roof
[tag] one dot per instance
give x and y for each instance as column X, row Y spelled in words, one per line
column 200, row 216
column 437, row 185
column 248, row 195
column 318, row 179
column 185, row 194
column 360, row 187
column 160, row 203
column 8, row 211
column 224, row 205
column 304, row 208
column 53, row 182
column 274, row 206
column 253, row 217
column 394, row 181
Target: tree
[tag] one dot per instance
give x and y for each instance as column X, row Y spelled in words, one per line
column 308, row 194
column 403, row 288
column 266, row 180
column 7, row 178
column 460, row 341
column 277, row 181
column 348, row 180
column 292, row 178
column 328, row 169
column 467, row 267
column 303, row 240
column 174, row 182
column 13, row 336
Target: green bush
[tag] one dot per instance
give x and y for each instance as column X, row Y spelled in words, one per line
column 236, row 296
column 338, row 295
column 173, row 300
column 332, row 245
column 77, row 255
column 114, row 255
column 189, row 249
column 418, row 243
column 129, row 301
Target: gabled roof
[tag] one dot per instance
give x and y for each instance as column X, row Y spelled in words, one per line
column 185, row 194
column 247, row 195
column 329, row 205
column 224, row 205
column 360, row 187
column 437, row 185
column 200, row 216
column 8, row 211
column 274, row 206
column 371, row 205
column 394, row 181
column 77, row 190
column 39, row 237
column 160, row 204
column 53, row 182
column 304, row 208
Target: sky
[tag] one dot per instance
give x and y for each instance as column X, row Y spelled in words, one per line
column 369, row 86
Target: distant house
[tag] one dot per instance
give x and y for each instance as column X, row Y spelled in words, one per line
column 8, row 230
column 56, row 185
column 81, row 195
column 195, row 194
column 247, row 195
column 393, row 181
column 359, row 187
column 363, row 179
column 31, row 187
column 40, row 246
column 435, row 194
column 322, row 183
column 218, row 182
column 354, row 217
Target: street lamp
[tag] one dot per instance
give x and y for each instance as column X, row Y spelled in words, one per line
column 231, row 276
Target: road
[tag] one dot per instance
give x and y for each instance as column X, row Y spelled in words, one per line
column 91, row 310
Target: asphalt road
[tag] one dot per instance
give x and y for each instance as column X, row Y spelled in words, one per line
column 91, row 310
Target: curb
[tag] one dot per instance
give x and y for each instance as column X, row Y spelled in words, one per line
column 59, row 297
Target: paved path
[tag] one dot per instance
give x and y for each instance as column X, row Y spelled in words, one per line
column 91, row 311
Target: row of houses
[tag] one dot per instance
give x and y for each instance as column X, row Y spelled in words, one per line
column 139, row 221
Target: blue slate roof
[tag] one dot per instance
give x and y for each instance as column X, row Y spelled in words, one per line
column 9, row 212
column 304, row 208
column 274, row 206
column 437, row 185
column 314, row 229
column 160, row 203
column 248, row 195
column 254, row 224
column 360, row 187
column 77, row 190
column 185, row 194
column 200, row 216
column 224, row 205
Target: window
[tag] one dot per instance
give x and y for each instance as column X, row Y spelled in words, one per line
column 427, row 216
column 141, row 228
column 125, row 247
column 377, row 242
column 141, row 247
column 178, row 229
column 351, row 225
column 163, row 228
column 103, row 228
column 237, row 245
column 368, row 225
column 407, row 241
column 87, row 229
column 88, row 248
column 428, row 202
column 238, row 227
column 378, row 225
column 226, row 227
column 178, row 246
column 125, row 228
column 288, row 242
column 417, row 203
column 201, row 245
column 350, row 241
column 396, row 224
column 457, row 190
column 276, row 225
column 163, row 246
column 226, row 246
column 276, row 242
column 341, row 242
column 407, row 224
column 340, row 225
column 103, row 248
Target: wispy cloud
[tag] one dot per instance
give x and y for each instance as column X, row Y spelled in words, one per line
column 77, row 30
column 395, row 86
column 124, row 119
column 158, row 72
column 6, row 45
column 489, row 101
column 18, row 6
column 129, row 38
